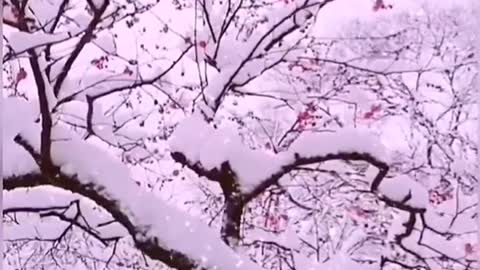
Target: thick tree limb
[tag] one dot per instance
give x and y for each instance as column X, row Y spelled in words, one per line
column 235, row 200
column 45, row 160
column 171, row 258
column 149, row 246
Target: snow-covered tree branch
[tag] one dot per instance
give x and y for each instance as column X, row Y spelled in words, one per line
column 242, row 134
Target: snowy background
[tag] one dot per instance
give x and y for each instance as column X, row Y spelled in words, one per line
column 287, row 134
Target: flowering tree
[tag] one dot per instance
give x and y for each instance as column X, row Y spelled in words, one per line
column 118, row 116
column 415, row 58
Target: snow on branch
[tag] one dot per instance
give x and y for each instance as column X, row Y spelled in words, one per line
column 244, row 174
column 208, row 149
column 209, row 152
column 345, row 140
column 22, row 41
column 253, row 56
column 165, row 236
column 405, row 190
column 17, row 162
